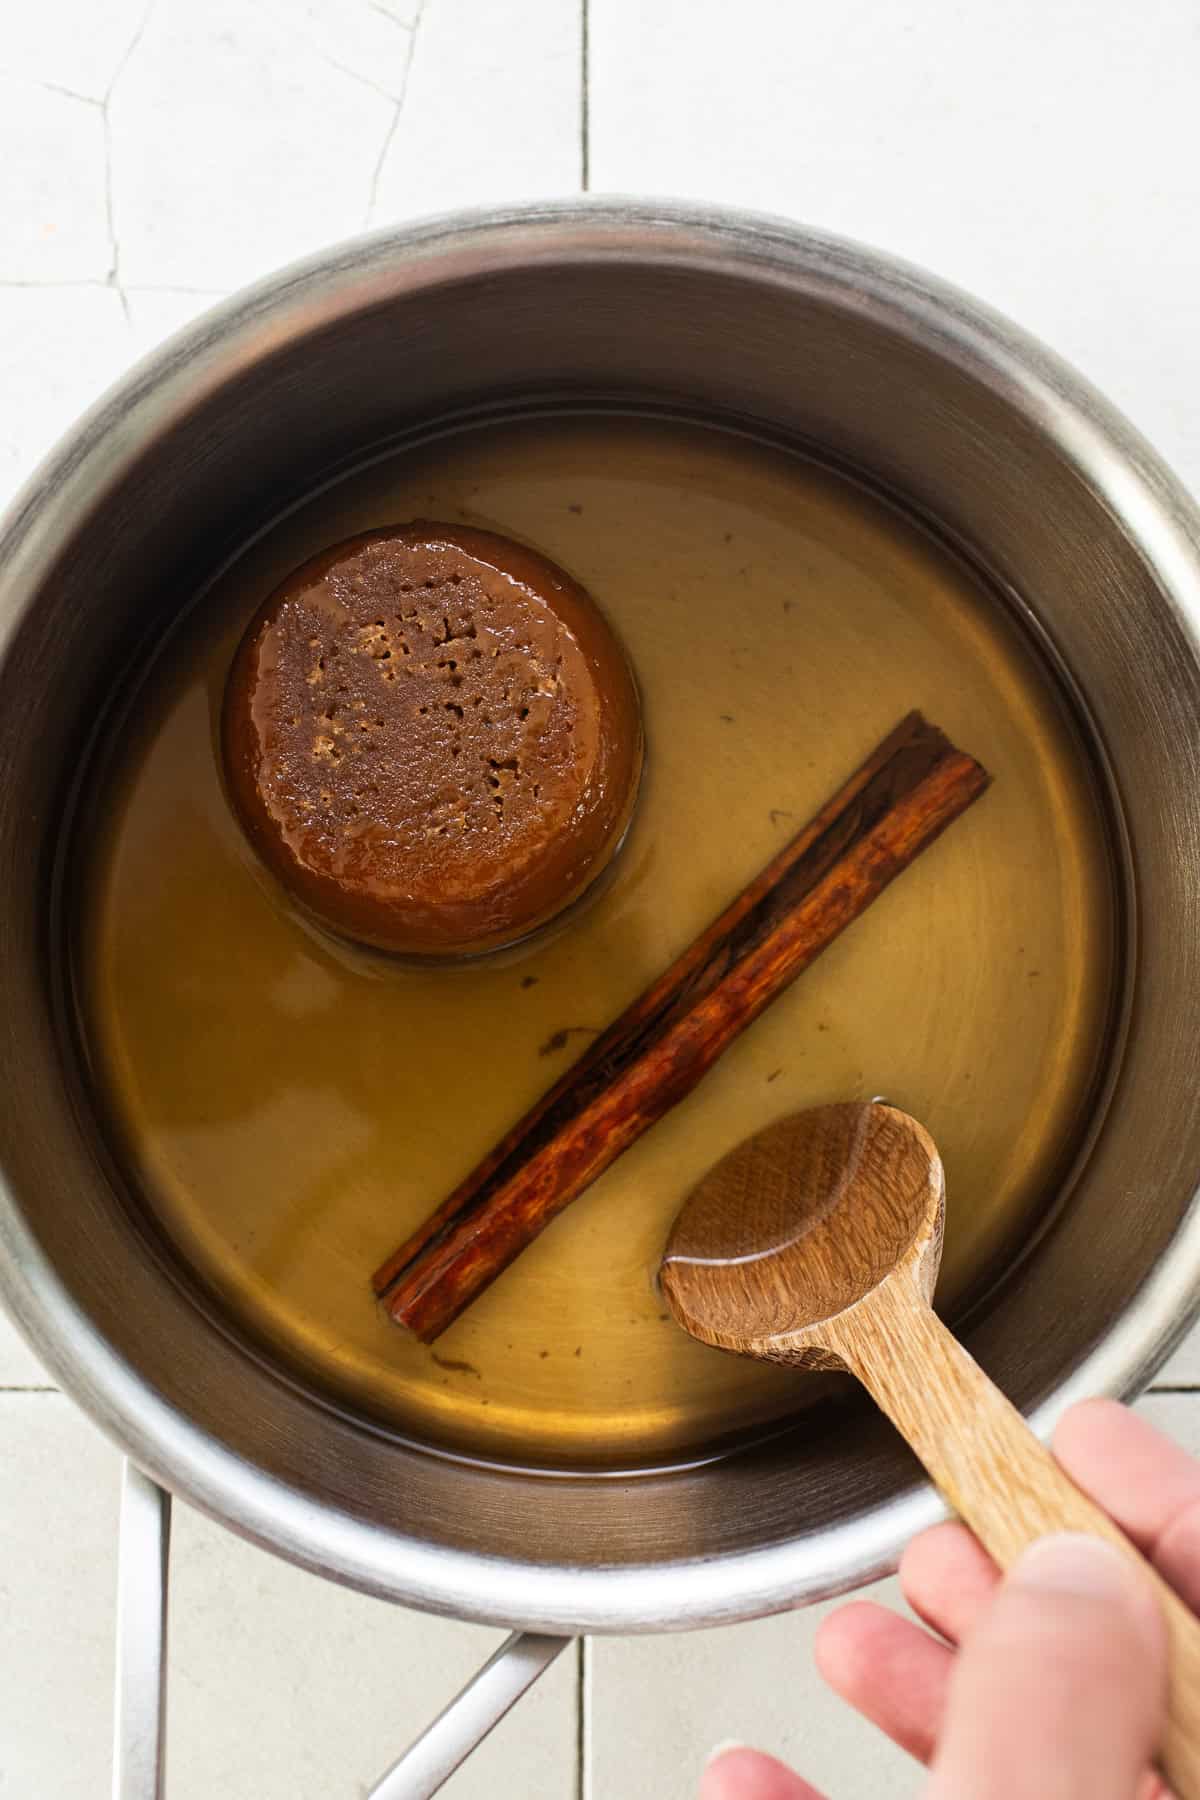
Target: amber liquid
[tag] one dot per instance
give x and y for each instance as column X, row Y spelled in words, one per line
column 289, row 1108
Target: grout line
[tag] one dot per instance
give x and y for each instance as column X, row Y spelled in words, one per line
column 1167, row 1387
column 583, row 1716
column 44, row 1389
column 585, row 171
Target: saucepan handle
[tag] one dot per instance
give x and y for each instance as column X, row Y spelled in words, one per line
column 139, row 1755
column 433, row 1757
column 139, row 1737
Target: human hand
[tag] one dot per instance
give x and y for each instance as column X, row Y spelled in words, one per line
column 1048, row 1685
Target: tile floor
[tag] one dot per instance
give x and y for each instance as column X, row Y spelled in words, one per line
column 154, row 156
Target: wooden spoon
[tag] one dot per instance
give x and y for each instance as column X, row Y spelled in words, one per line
column 816, row 1243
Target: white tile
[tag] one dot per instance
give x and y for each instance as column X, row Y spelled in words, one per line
column 659, row 1705
column 52, row 186
column 237, row 145
column 60, row 347
column 1176, row 1414
column 19, row 1368
column 59, row 1483
column 1043, row 157
column 492, row 109
column 284, row 1687
column 75, row 45
column 1183, row 1369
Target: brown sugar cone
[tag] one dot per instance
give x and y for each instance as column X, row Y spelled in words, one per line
column 432, row 738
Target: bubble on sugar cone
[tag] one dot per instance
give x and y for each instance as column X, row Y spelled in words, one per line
column 432, row 738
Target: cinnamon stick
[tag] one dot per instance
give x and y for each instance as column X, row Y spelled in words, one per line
column 905, row 794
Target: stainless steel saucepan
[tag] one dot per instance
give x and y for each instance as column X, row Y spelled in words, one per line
column 1092, row 544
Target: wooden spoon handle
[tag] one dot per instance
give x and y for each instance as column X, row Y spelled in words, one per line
column 996, row 1474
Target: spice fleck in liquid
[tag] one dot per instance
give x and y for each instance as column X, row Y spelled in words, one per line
column 289, row 1108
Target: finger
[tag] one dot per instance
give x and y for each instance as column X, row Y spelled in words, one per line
column 1149, row 1485
column 1059, row 1692
column 948, row 1579
column 894, row 1673
column 741, row 1774
column 898, row 1677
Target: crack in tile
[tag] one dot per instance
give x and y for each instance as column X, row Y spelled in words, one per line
column 83, row 281
column 56, row 87
column 394, row 126
column 113, row 277
column 333, row 62
column 135, row 287
column 381, row 6
column 130, row 47
column 385, row 12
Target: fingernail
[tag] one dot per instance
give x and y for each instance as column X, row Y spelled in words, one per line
column 723, row 1749
column 1072, row 1563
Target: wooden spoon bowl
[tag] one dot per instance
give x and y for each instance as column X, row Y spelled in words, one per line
column 802, row 1222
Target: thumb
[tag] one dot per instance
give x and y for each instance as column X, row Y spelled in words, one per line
column 735, row 1773
column 1060, row 1691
